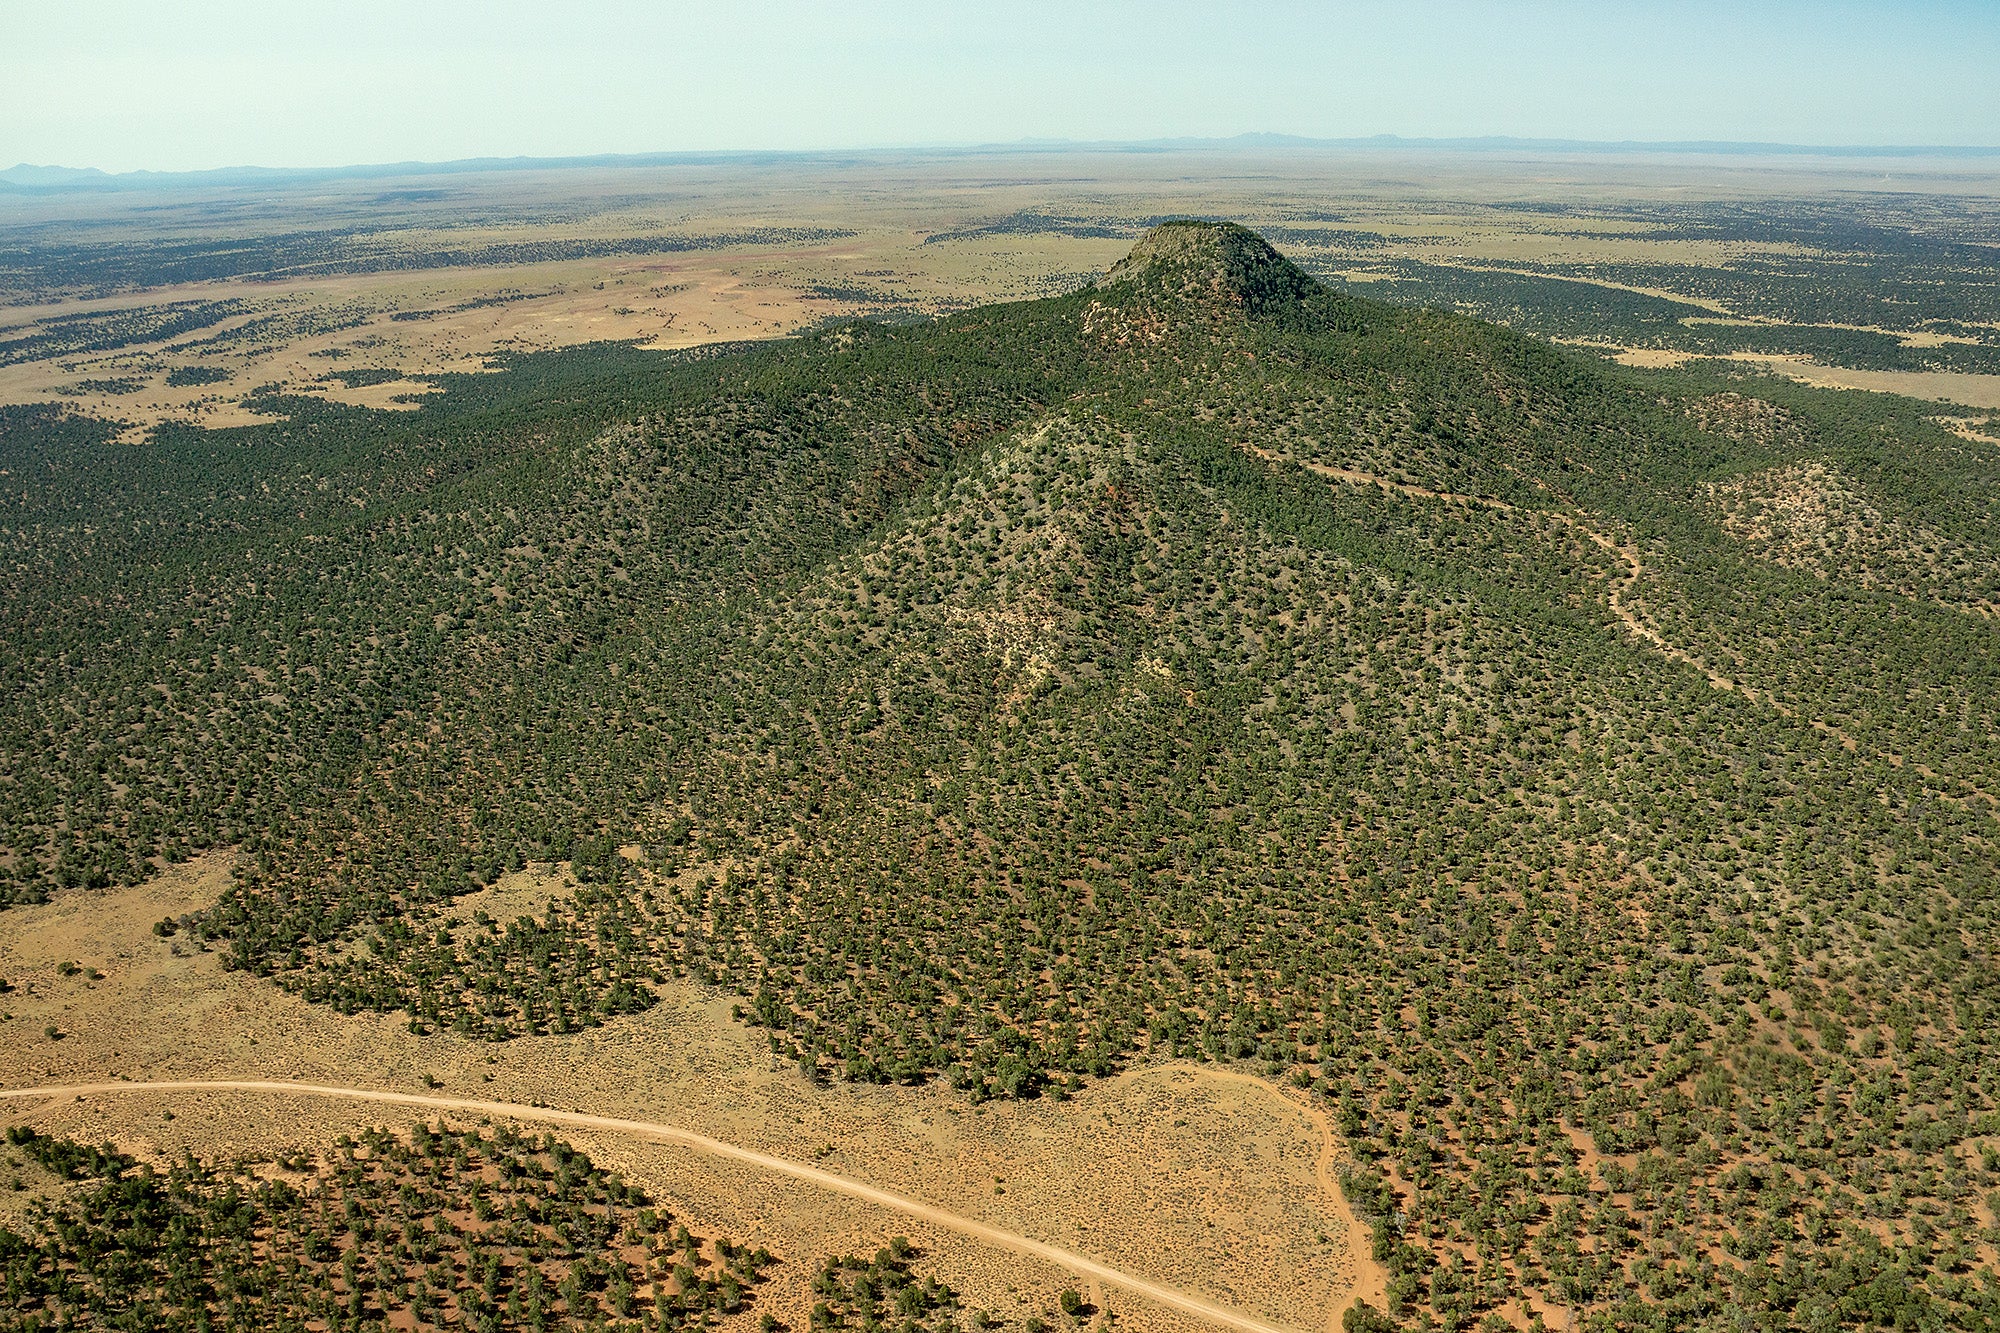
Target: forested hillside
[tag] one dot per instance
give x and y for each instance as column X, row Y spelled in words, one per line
column 1583, row 780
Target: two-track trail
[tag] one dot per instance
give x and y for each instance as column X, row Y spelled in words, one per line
column 1083, row 1266
column 1618, row 592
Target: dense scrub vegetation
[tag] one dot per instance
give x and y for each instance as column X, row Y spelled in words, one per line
column 1581, row 780
column 1587, row 308
column 884, row 1292
column 443, row 1228
column 100, row 331
column 1896, row 283
column 1901, row 282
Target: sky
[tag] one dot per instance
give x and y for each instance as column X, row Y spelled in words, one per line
column 129, row 84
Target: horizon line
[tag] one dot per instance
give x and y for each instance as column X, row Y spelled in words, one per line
column 31, row 178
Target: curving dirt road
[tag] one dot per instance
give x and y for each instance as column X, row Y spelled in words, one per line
column 1088, row 1269
column 1627, row 555
column 1616, row 590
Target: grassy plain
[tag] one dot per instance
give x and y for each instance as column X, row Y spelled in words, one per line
column 431, row 274
column 1206, row 1181
column 1937, row 385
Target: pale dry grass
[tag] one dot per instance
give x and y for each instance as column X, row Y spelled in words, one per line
column 1931, row 385
column 1939, row 386
column 662, row 302
column 1652, row 358
column 1182, row 1175
column 1972, row 430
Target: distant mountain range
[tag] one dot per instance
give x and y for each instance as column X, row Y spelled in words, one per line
column 27, row 178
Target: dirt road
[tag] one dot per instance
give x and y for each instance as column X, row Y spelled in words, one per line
column 1370, row 1280
column 1628, row 616
column 1084, row 1267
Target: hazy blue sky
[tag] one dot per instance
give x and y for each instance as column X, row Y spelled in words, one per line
column 171, row 84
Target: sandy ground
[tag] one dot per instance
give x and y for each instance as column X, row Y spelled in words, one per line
column 1205, row 1181
column 1935, row 385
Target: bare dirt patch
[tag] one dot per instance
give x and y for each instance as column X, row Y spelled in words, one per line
column 526, row 892
column 1212, row 1185
column 1934, row 385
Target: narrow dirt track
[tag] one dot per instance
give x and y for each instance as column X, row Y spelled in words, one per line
column 1084, row 1267
column 1635, row 624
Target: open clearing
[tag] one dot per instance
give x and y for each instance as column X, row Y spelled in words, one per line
column 1941, row 386
column 1087, row 1269
column 1200, row 1181
column 1936, row 385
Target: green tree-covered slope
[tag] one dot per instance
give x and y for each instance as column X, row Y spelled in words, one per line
column 1583, row 779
